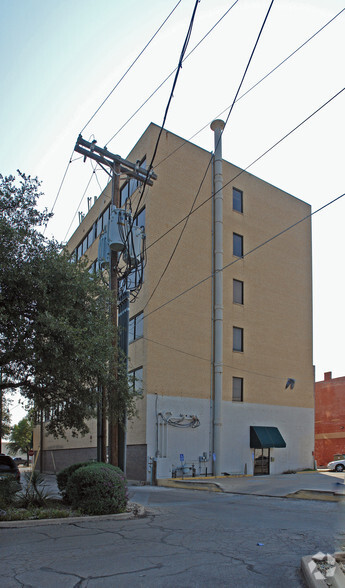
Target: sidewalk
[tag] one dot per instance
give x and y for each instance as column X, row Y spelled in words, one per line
column 320, row 485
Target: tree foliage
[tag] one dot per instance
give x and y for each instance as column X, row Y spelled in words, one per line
column 5, row 420
column 21, row 437
column 56, row 337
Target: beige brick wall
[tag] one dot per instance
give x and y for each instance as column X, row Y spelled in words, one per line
column 277, row 313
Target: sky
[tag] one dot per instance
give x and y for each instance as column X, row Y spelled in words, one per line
column 61, row 58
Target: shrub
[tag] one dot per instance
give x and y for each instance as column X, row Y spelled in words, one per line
column 64, row 476
column 97, row 490
column 8, row 490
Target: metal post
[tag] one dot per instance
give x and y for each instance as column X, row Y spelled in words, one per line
column 132, row 170
column 217, row 126
column 113, row 426
column 99, row 425
column 41, row 442
column 123, row 346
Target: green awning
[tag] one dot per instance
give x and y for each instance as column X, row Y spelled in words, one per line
column 265, row 437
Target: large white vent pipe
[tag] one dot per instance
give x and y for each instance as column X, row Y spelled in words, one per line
column 217, row 126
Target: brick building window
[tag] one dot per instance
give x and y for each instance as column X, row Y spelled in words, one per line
column 237, row 291
column 237, row 389
column 237, row 340
column 237, row 245
column 136, row 327
column 237, row 200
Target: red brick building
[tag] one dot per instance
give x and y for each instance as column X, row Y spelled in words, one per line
column 329, row 418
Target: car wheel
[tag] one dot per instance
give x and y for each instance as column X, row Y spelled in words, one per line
column 339, row 467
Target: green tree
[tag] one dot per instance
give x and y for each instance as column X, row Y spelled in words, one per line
column 20, row 439
column 56, row 337
column 5, row 417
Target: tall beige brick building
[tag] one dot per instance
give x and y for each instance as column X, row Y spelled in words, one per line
column 267, row 326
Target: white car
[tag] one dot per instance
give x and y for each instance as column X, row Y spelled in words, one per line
column 338, row 466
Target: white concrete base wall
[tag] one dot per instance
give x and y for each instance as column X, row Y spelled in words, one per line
column 170, row 442
column 296, row 426
column 167, row 443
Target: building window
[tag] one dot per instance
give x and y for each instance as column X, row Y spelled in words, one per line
column 237, row 245
column 237, row 200
column 105, row 217
column 237, row 344
column 238, row 291
column 99, row 225
column 135, row 381
column 131, row 185
column 237, row 389
column 90, row 237
column 136, row 327
column 84, row 245
column 134, row 278
column 139, row 220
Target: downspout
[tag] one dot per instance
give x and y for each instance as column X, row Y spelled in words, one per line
column 211, row 447
column 217, row 126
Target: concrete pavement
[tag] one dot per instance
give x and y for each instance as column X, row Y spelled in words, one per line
column 320, row 485
column 307, row 521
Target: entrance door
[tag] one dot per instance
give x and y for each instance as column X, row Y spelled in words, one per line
column 261, row 462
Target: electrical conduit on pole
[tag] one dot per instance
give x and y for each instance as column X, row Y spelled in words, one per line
column 217, row 126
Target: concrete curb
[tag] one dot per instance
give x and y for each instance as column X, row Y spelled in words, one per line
column 172, row 483
column 213, row 486
column 123, row 516
column 336, row 581
column 325, row 495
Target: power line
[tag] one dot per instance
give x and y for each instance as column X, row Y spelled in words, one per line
column 179, row 67
column 171, row 73
column 110, row 93
column 239, row 369
column 94, row 173
column 130, row 67
column 254, row 85
column 210, row 160
column 245, row 255
column 60, row 188
column 81, row 200
column 165, row 80
column 205, row 126
column 182, row 55
column 247, row 167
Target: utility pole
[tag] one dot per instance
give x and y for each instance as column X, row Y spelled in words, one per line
column 113, row 425
column 117, row 166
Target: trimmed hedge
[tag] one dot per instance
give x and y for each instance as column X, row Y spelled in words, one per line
column 97, row 489
column 65, row 474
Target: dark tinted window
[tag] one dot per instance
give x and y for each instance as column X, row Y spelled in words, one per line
column 237, row 389
column 237, row 339
column 237, row 200
column 237, row 245
column 238, row 291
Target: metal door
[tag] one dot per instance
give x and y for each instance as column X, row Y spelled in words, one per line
column 261, row 462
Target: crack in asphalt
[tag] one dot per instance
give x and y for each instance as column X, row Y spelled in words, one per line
column 127, row 573
column 61, row 573
column 97, row 531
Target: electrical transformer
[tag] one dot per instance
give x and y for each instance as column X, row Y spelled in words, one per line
column 103, row 251
column 135, row 243
column 116, row 229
